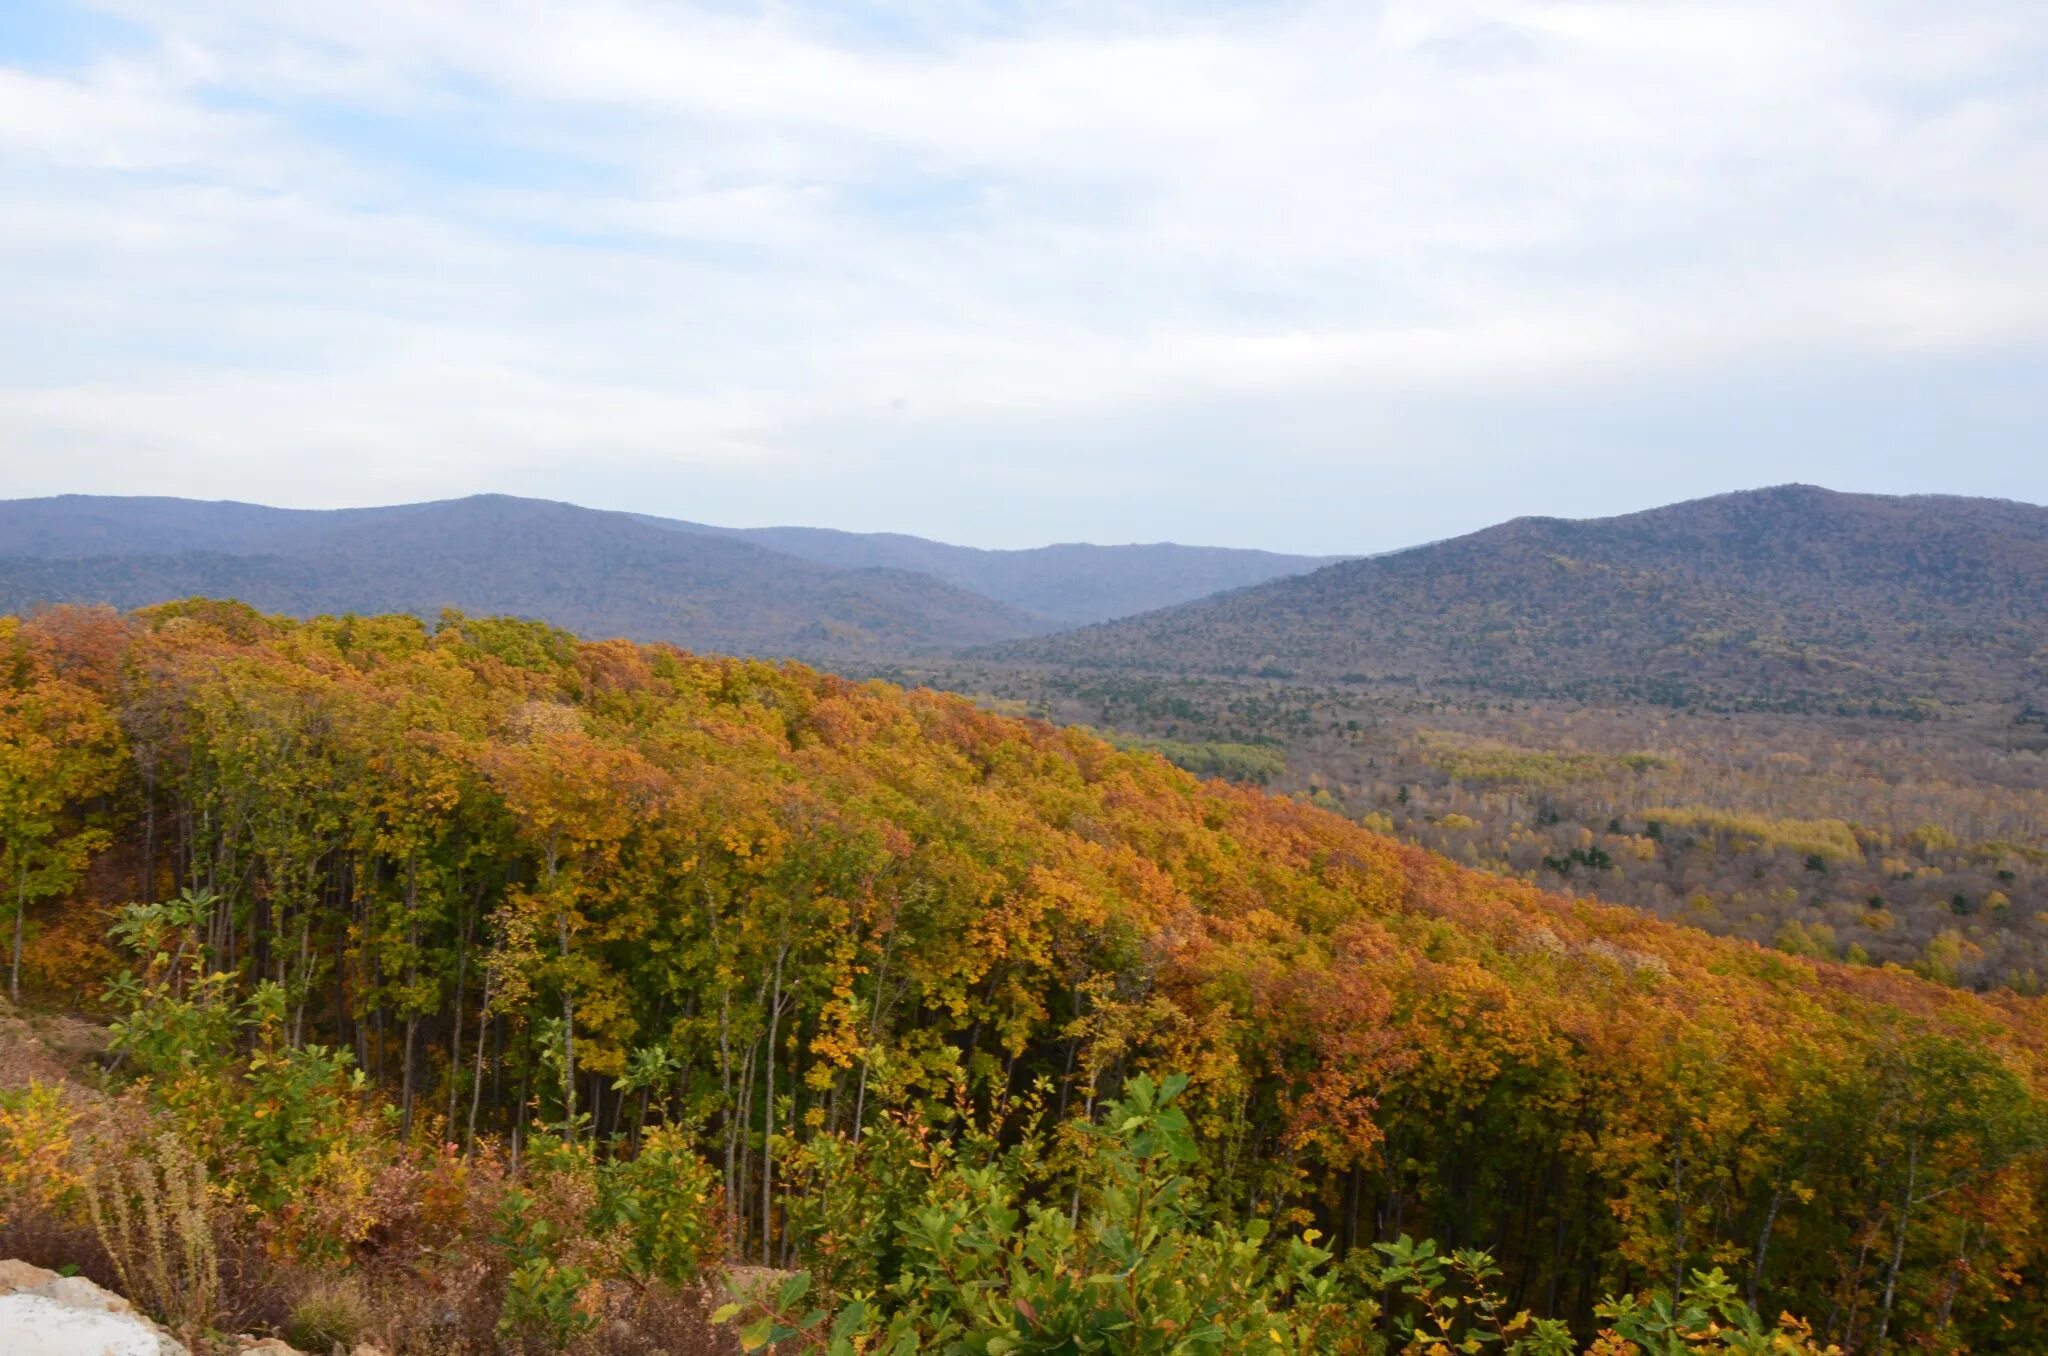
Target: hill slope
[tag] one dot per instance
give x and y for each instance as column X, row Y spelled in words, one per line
column 1073, row 582
column 601, row 573
column 192, row 540
column 1780, row 597
column 787, row 902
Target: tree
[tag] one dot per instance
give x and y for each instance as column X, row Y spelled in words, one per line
column 59, row 746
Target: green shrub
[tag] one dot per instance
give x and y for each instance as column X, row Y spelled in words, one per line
column 1126, row 1257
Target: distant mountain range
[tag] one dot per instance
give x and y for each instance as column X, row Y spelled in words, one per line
column 1073, row 582
column 772, row 591
column 1792, row 597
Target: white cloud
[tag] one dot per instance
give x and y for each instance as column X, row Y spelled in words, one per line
column 442, row 246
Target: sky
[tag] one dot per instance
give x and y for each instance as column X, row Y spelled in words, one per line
column 1329, row 277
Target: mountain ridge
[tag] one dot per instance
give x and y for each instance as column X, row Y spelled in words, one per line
column 1115, row 580
column 1785, row 594
column 814, row 593
column 578, row 568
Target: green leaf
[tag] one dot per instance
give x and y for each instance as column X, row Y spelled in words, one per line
column 850, row 1321
column 725, row 1313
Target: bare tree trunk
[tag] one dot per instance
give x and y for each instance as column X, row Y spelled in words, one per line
column 1891, row 1280
column 1763, row 1243
column 732, row 1132
column 412, row 977
column 1678, row 1218
column 568, row 1034
column 20, row 919
column 860, row 1096
column 455, row 1037
column 305, row 973
column 483, row 1029
column 768, row 1116
column 568, row 1005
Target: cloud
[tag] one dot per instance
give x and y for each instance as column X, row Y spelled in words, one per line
column 335, row 254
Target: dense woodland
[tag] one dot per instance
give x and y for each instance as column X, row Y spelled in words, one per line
column 1793, row 599
column 794, row 591
column 1009, row 1039
column 1916, row 841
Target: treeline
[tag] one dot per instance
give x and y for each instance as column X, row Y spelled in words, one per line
column 541, row 890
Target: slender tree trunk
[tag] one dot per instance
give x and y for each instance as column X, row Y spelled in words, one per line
column 1678, row 1219
column 412, row 1016
column 455, row 1036
column 519, row 1119
column 149, row 833
column 568, row 1033
column 732, row 1219
column 1891, row 1280
column 568, row 998
column 860, row 1097
column 305, row 976
column 483, row 1029
column 1763, row 1243
column 20, row 919
column 768, row 1116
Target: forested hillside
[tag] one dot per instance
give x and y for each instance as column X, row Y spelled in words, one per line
column 1794, row 598
column 1920, row 841
column 476, row 951
column 602, row 572
column 1073, row 582
column 767, row 591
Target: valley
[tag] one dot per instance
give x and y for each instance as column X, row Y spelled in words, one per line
column 1455, row 938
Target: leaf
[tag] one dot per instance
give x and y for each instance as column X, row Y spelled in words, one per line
column 850, row 1321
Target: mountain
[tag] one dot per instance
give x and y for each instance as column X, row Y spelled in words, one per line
column 1073, row 582
column 778, row 590
column 1788, row 597
column 595, row 572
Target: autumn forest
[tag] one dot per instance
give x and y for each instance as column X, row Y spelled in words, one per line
column 510, row 990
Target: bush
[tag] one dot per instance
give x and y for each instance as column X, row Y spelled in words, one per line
column 667, row 1201
column 1132, row 1262
column 36, row 1171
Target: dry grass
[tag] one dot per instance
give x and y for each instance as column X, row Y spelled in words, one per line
column 331, row 1313
column 156, row 1223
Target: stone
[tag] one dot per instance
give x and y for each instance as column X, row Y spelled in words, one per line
column 44, row 1314
column 16, row 1275
column 79, row 1293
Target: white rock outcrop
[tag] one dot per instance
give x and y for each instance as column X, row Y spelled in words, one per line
column 44, row 1314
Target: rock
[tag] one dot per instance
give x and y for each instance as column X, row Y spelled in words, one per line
column 79, row 1293
column 44, row 1314
column 17, row 1275
column 367, row 1349
column 246, row 1345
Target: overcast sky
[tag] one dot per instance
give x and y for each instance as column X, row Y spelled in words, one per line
column 1328, row 277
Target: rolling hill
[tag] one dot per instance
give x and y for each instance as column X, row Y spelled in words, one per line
column 785, row 590
column 930, row 950
column 601, row 573
column 1072, row 582
column 1791, row 597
